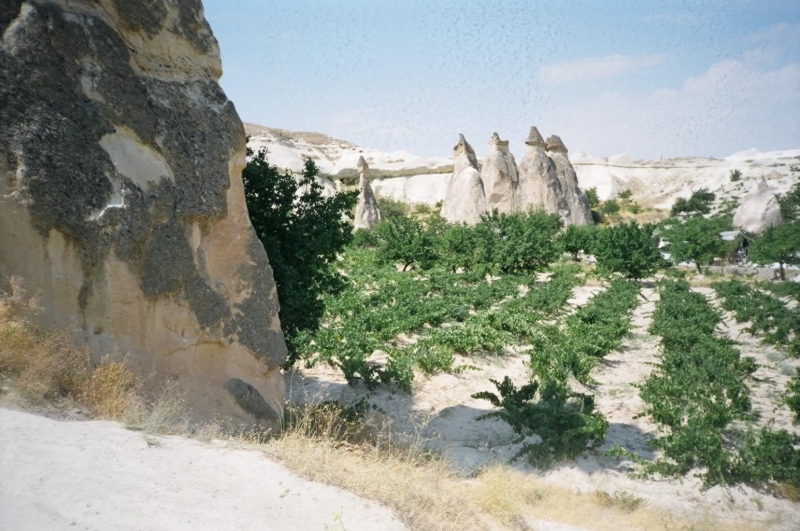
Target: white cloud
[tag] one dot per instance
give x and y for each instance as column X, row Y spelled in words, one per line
column 736, row 104
column 594, row 68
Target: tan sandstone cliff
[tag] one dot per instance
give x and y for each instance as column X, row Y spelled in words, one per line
column 121, row 202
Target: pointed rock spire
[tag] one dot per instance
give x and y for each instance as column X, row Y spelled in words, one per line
column 538, row 182
column 500, row 177
column 555, row 144
column 535, row 138
column 579, row 212
column 367, row 212
column 464, row 199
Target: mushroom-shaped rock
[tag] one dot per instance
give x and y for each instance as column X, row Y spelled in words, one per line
column 500, row 177
column 577, row 203
column 538, row 182
column 367, row 212
column 464, row 199
column 758, row 210
column 125, row 211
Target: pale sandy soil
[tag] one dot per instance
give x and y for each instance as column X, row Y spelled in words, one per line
column 442, row 413
column 96, row 475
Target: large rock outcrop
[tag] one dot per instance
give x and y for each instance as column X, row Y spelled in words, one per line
column 758, row 210
column 538, row 182
column 500, row 177
column 464, row 199
column 121, row 202
column 367, row 212
column 576, row 201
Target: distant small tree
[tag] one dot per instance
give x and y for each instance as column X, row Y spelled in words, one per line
column 634, row 208
column 610, row 207
column 697, row 239
column 779, row 245
column 625, row 195
column 699, row 203
column 594, row 200
column 736, row 175
column 577, row 239
column 302, row 232
column 628, row 248
column 405, row 240
column 390, row 208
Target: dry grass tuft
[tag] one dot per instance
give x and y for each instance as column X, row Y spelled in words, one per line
column 621, row 500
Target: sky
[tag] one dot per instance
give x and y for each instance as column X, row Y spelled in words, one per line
column 649, row 78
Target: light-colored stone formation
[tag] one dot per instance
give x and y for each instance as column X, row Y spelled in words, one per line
column 576, row 201
column 121, row 202
column 367, row 212
column 500, row 177
column 464, row 199
column 758, row 210
column 538, row 182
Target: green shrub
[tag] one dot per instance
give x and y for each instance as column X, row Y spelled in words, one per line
column 625, row 195
column 698, row 203
column 576, row 239
column 594, row 200
column 792, row 395
column 736, row 175
column 407, row 241
column 391, row 209
column 610, row 207
column 630, row 249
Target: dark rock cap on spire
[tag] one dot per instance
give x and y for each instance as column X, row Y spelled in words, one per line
column 535, row 138
column 463, row 145
column 362, row 165
column 554, row 143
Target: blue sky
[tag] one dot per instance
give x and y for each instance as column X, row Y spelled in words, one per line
column 650, row 78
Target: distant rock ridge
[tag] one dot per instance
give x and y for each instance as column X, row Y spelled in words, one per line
column 758, row 210
column 367, row 212
column 465, row 199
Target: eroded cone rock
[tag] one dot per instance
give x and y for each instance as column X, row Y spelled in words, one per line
column 576, row 201
column 500, row 177
column 758, row 210
column 367, row 212
column 464, row 199
column 538, row 182
column 121, row 201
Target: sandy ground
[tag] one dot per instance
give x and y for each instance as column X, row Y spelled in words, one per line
column 442, row 413
column 96, row 475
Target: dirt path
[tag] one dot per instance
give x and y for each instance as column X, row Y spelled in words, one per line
column 95, row 475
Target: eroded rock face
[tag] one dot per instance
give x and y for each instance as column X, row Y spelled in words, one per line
column 121, row 202
column 367, row 212
column 500, row 177
column 759, row 210
column 538, row 182
column 576, row 202
column 464, row 199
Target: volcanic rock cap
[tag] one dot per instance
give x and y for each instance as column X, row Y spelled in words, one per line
column 121, row 201
column 367, row 212
column 464, row 200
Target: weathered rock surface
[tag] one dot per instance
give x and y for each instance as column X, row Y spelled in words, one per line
column 576, row 201
column 538, row 182
column 464, row 199
column 758, row 210
column 121, row 203
column 500, row 177
column 367, row 212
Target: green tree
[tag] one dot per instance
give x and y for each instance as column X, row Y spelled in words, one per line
column 790, row 204
column 519, row 242
column 405, row 240
column 699, row 203
column 736, row 175
column 302, row 231
column 594, row 200
column 697, row 239
column 779, row 245
column 390, row 208
column 610, row 207
column 577, row 238
column 625, row 195
column 628, row 248
column 457, row 247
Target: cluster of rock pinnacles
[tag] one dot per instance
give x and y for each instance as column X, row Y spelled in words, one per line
column 544, row 178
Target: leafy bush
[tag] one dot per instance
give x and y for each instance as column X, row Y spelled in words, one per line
column 576, row 239
column 625, row 195
column 767, row 315
column 628, row 248
column 792, row 396
column 457, row 247
column 391, row 209
column 405, row 240
column 302, row 232
column 634, row 208
column 736, row 175
column 565, row 421
column 610, row 207
column 591, row 195
column 782, row 289
column 698, row 393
